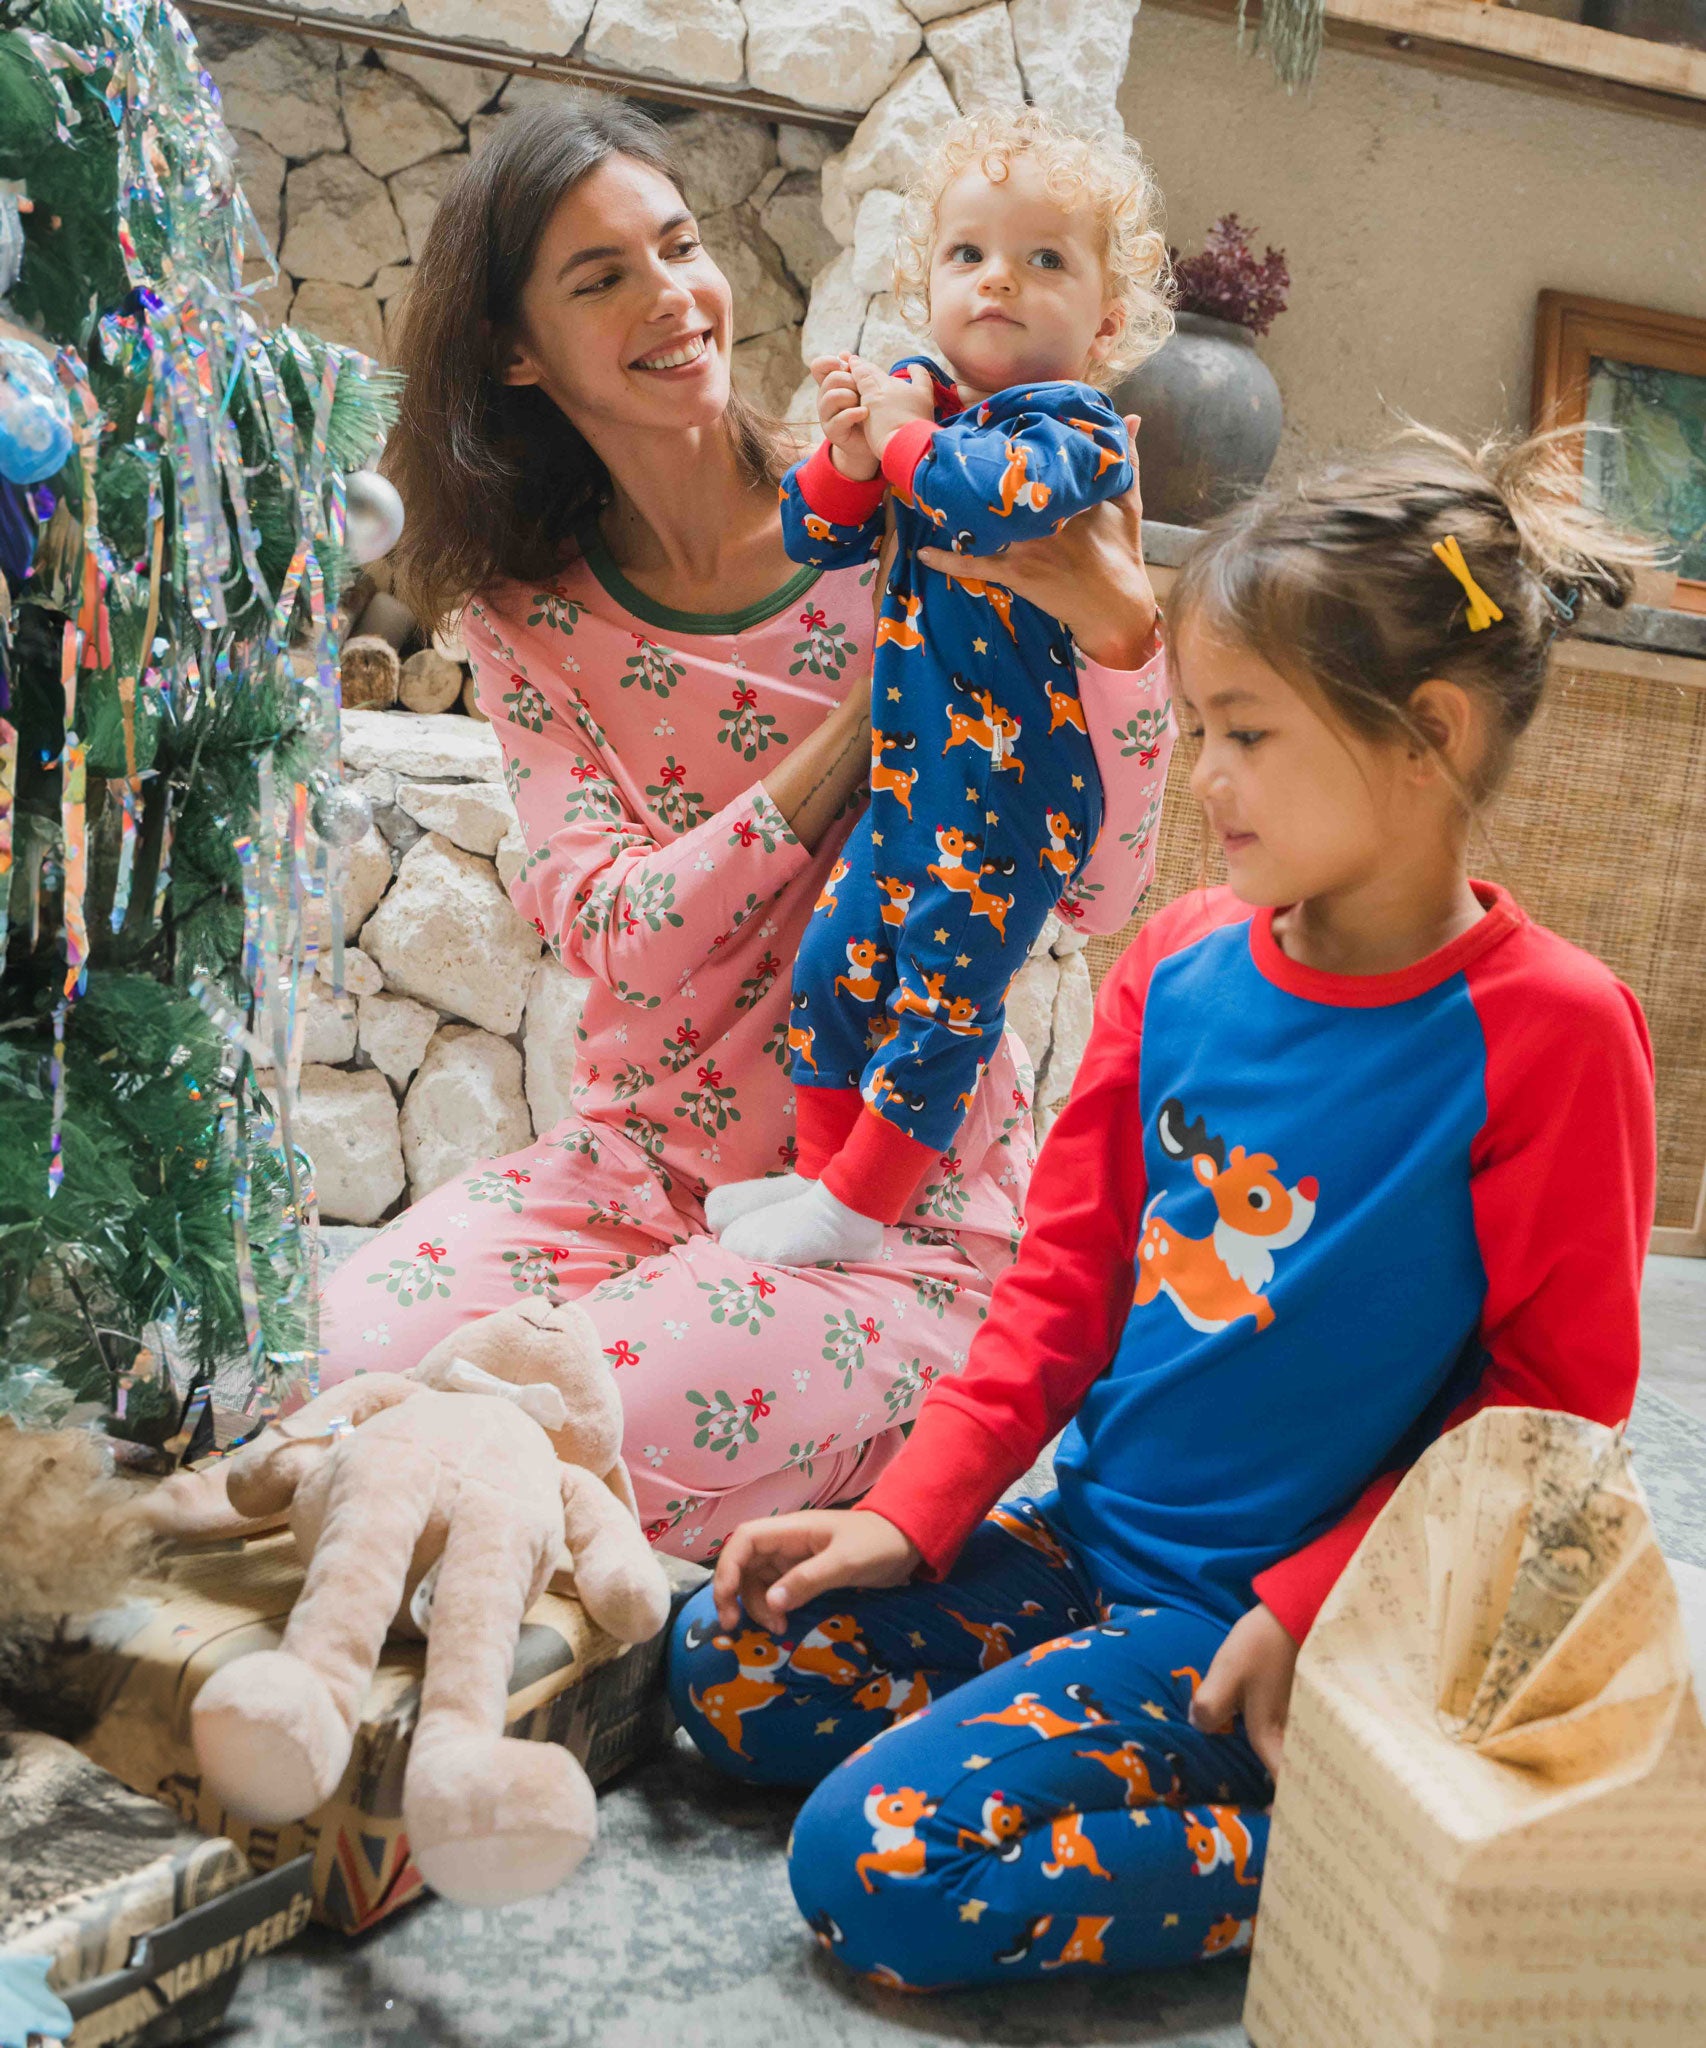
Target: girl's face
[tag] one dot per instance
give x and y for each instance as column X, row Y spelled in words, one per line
column 625, row 321
column 1301, row 807
column 1017, row 293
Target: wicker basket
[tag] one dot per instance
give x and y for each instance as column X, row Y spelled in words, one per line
column 1600, row 834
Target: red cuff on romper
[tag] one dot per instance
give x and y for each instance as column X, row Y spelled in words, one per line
column 877, row 1169
column 907, row 447
column 824, row 1116
column 833, row 496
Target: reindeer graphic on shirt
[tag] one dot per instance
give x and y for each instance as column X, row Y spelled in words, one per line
column 1213, row 1281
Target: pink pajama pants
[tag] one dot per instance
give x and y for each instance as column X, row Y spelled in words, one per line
column 746, row 1392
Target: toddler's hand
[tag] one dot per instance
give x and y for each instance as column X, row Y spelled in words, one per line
column 773, row 1566
column 890, row 402
column 841, row 413
column 1250, row 1676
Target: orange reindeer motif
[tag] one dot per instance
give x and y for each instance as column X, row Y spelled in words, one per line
column 903, row 632
column 800, row 1035
column 899, row 894
column 833, row 881
column 1106, row 458
column 1222, row 1838
column 1057, row 854
column 993, row 1635
column 818, row 528
column 819, row 1652
column 1064, row 709
column 758, row 1656
column 996, row 731
column 1129, row 1764
column 897, row 781
column 1027, row 1711
column 1003, row 1824
column 907, row 1002
column 861, row 982
column 1213, row 1281
column 999, row 600
column 881, row 1030
column 1229, row 1937
column 951, row 871
column 893, row 1818
column 1036, row 1534
column 961, row 1011
column 1072, row 1849
column 1018, row 487
column 902, row 1693
column 1054, row 1648
column 1084, row 1943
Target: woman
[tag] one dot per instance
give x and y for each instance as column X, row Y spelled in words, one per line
column 685, row 723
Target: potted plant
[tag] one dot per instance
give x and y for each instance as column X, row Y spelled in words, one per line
column 1211, row 409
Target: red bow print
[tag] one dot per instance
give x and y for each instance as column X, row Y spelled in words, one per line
column 582, row 771
column 745, row 697
column 708, row 1075
column 813, row 618
column 746, row 832
column 756, row 1406
column 949, row 1162
column 621, row 1353
column 760, row 1286
column 869, row 1331
column 435, row 1252
column 672, row 777
column 515, row 1174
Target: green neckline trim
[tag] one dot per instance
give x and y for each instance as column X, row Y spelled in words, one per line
column 599, row 560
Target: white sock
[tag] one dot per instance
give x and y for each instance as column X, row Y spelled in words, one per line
column 809, row 1230
column 741, row 1197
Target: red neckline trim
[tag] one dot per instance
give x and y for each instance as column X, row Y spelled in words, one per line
column 1375, row 991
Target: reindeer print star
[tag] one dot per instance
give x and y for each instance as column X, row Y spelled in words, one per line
column 1078, row 782
column 976, row 1763
column 973, row 1909
column 1155, row 1713
column 894, row 694
column 980, row 647
column 940, row 936
column 971, row 796
column 826, row 1727
column 962, row 959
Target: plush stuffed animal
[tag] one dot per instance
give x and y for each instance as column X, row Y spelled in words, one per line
column 436, row 1502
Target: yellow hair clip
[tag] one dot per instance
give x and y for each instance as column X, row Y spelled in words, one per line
column 1481, row 610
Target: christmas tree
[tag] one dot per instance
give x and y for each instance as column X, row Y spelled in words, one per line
column 172, row 538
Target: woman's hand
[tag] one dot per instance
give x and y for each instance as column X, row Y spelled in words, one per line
column 1090, row 575
column 889, row 402
column 1250, row 1676
column 841, row 414
column 773, row 1566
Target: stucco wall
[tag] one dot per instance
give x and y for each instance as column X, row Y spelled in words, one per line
column 1420, row 213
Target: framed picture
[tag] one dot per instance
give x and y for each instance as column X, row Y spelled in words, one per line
column 1641, row 373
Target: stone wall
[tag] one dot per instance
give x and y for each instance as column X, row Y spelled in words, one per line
column 345, row 152
column 455, row 1035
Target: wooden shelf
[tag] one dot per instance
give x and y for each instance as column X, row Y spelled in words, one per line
column 1532, row 49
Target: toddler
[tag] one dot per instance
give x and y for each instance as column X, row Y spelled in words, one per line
column 1356, row 1149
column 1037, row 257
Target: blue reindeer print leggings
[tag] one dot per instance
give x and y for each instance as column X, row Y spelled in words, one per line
column 1007, row 1784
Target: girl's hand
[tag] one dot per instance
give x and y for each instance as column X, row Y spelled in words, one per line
column 1090, row 575
column 771, row 1567
column 1250, row 1676
column 841, row 413
column 890, row 402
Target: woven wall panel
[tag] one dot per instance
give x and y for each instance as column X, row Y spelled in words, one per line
column 1601, row 834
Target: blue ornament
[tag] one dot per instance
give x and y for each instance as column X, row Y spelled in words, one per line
column 35, row 421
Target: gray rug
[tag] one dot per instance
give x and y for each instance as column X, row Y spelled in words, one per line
column 681, row 1932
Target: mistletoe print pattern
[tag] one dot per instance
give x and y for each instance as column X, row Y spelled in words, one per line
column 743, row 1393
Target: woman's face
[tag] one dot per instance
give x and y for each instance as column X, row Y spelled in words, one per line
column 625, row 320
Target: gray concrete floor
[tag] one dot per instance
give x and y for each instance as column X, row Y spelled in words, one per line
column 1673, row 1331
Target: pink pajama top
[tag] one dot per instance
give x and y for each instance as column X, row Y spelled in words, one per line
column 636, row 740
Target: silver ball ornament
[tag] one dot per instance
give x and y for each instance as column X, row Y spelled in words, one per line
column 373, row 516
column 342, row 815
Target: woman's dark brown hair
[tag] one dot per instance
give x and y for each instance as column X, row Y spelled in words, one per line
column 1333, row 580
column 494, row 479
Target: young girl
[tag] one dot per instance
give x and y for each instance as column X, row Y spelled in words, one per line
column 1038, row 257
column 1376, row 1151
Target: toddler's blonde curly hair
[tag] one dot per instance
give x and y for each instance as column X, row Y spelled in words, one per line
column 1106, row 172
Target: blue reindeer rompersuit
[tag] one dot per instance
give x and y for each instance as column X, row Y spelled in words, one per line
column 985, row 799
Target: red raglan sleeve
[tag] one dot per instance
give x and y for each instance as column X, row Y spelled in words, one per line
column 1057, row 1313
column 1562, row 1185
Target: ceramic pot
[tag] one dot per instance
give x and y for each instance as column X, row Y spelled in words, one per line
column 1211, row 420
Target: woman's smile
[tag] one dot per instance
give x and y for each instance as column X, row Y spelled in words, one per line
column 686, row 354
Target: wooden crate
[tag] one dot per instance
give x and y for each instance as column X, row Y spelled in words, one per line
column 1600, row 834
